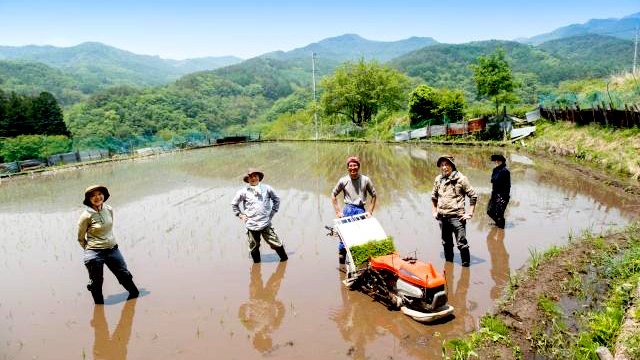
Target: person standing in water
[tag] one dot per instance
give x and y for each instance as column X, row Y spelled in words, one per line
column 447, row 206
column 255, row 205
column 500, row 190
column 95, row 235
column 355, row 188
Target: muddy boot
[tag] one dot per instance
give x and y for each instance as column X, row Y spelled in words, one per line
column 255, row 255
column 96, row 293
column 448, row 254
column 282, row 253
column 131, row 288
column 465, row 256
column 342, row 255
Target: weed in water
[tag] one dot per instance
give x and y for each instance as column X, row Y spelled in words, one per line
column 536, row 258
column 574, row 285
column 549, row 307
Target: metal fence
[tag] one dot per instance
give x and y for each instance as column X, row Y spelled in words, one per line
column 107, row 147
column 627, row 118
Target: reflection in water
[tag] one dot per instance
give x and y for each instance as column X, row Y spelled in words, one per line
column 361, row 321
column 355, row 326
column 499, row 260
column 263, row 314
column 112, row 347
column 182, row 198
column 458, row 298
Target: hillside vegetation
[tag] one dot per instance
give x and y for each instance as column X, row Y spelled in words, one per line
column 96, row 66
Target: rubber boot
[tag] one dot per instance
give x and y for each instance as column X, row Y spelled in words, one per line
column 342, row 256
column 465, row 257
column 131, row 288
column 96, row 293
column 448, row 254
column 255, row 255
column 282, row 253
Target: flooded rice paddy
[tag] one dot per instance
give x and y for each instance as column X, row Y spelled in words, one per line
column 203, row 297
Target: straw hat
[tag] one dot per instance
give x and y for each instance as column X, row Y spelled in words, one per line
column 253, row 171
column 92, row 188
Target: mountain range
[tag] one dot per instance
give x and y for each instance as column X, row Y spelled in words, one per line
column 624, row 28
column 73, row 73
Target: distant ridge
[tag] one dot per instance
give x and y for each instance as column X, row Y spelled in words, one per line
column 114, row 66
column 353, row 46
column 623, row 28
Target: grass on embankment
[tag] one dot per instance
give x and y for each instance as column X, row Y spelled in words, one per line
column 615, row 150
column 570, row 301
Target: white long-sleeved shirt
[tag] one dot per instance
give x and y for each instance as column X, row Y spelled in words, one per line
column 256, row 205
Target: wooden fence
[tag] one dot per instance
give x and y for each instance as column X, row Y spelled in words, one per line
column 627, row 118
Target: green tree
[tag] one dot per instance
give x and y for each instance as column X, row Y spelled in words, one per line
column 359, row 90
column 25, row 147
column 423, row 104
column 17, row 121
column 452, row 104
column 426, row 103
column 47, row 115
column 493, row 78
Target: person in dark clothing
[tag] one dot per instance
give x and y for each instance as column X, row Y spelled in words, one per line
column 500, row 191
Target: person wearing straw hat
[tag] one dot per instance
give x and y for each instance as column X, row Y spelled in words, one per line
column 255, row 205
column 95, row 235
column 500, row 190
column 355, row 188
column 447, row 199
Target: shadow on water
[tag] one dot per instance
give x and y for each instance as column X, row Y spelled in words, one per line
column 123, row 296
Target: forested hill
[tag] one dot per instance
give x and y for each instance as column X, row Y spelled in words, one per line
column 354, row 47
column 279, row 73
column 622, row 28
column 588, row 56
column 600, row 55
column 447, row 65
column 32, row 78
column 99, row 66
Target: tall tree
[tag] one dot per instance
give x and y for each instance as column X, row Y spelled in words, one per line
column 493, row 78
column 17, row 121
column 359, row 90
column 4, row 122
column 47, row 115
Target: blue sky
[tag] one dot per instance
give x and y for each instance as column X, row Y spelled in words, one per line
column 196, row 28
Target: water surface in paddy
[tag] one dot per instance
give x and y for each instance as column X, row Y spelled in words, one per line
column 204, row 298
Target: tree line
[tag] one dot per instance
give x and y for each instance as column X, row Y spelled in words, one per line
column 29, row 115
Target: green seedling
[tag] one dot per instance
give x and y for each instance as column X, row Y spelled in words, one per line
column 362, row 253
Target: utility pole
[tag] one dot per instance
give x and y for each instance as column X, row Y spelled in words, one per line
column 635, row 52
column 313, row 75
